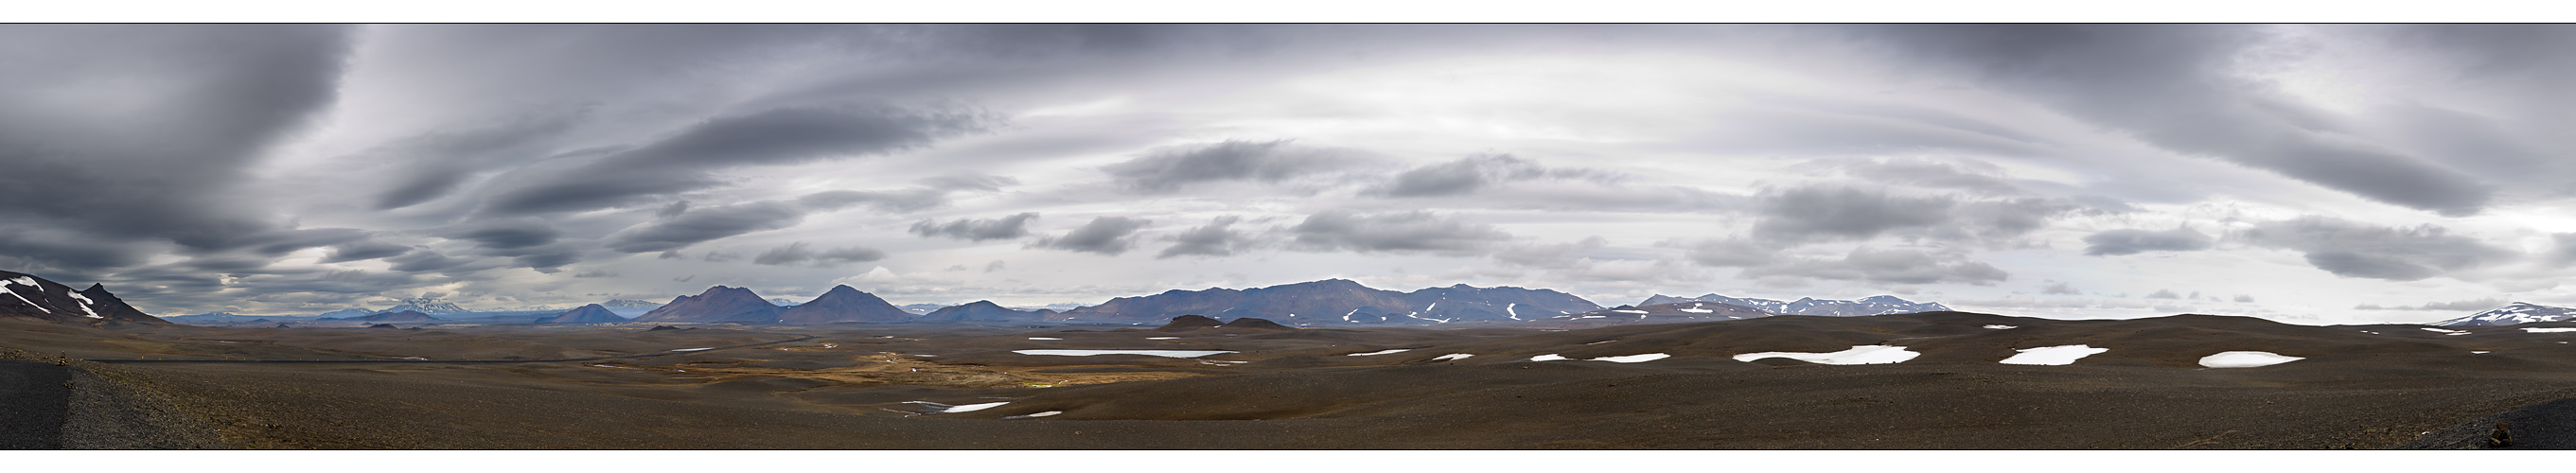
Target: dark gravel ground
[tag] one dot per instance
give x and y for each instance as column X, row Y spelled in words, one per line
column 2363, row 388
column 34, row 397
column 2544, row 426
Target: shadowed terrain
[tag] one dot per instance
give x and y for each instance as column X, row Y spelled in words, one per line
column 930, row 386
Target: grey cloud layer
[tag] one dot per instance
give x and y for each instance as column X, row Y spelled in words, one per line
column 1104, row 235
column 2130, row 241
column 1005, row 228
column 2354, row 249
column 2174, row 86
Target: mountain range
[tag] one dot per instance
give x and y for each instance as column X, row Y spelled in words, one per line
column 589, row 314
column 1337, row 301
column 2515, row 313
column 33, row 297
column 1873, row 305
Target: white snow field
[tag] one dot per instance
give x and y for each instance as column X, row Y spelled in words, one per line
column 1547, row 357
column 1452, row 356
column 2052, row 356
column 2002, row 327
column 1044, row 338
column 1633, row 358
column 1857, row 355
column 1161, row 353
column 2548, row 330
column 1382, row 352
column 2246, row 359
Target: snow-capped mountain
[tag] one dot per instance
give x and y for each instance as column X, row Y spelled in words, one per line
column 427, row 307
column 1873, row 305
column 614, row 304
column 27, row 296
column 2515, row 313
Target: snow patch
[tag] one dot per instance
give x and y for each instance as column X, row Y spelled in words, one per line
column 1857, row 355
column 1633, row 358
column 1547, row 357
column 1696, row 311
column 1036, row 415
column 2446, row 332
column 21, row 298
column 84, row 305
column 1162, row 338
column 1382, row 352
column 1161, row 353
column 1462, row 356
column 1629, row 311
column 2548, row 330
column 2052, row 356
column 972, row 407
column 2002, row 327
column 27, row 281
column 2478, row 352
column 2246, row 359
column 1044, row 338
column 695, row 349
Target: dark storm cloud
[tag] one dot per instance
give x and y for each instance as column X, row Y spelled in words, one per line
column 363, row 250
column 137, row 132
column 691, row 225
column 509, row 233
column 1471, row 173
column 2177, row 88
column 1401, row 232
column 1214, row 239
column 683, row 161
column 1897, row 266
column 2129, row 241
column 1013, row 226
column 2353, row 249
column 706, row 223
column 424, row 260
column 1844, row 213
column 1169, row 169
column 61, row 251
column 1104, row 235
column 797, row 252
column 439, row 161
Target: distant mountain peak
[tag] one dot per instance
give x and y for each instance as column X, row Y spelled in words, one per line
column 2514, row 313
column 1872, row 305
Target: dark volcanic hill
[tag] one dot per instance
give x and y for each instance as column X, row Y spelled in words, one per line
column 36, row 298
column 404, row 316
column 1337, row 301
column 589, row 314
column 1188, row 323
column 843, row 304
column 1873, row 305
column 1249, row 323
column 718, row 304
column 981, row 311
column 2515, row 313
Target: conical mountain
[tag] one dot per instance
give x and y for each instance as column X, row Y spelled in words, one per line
column 26, row 296
column 718, row 304
column 843, row 304
column 983, row 311
column 589, row 314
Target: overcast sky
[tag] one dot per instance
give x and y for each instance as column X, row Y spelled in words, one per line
column 2308, row 174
